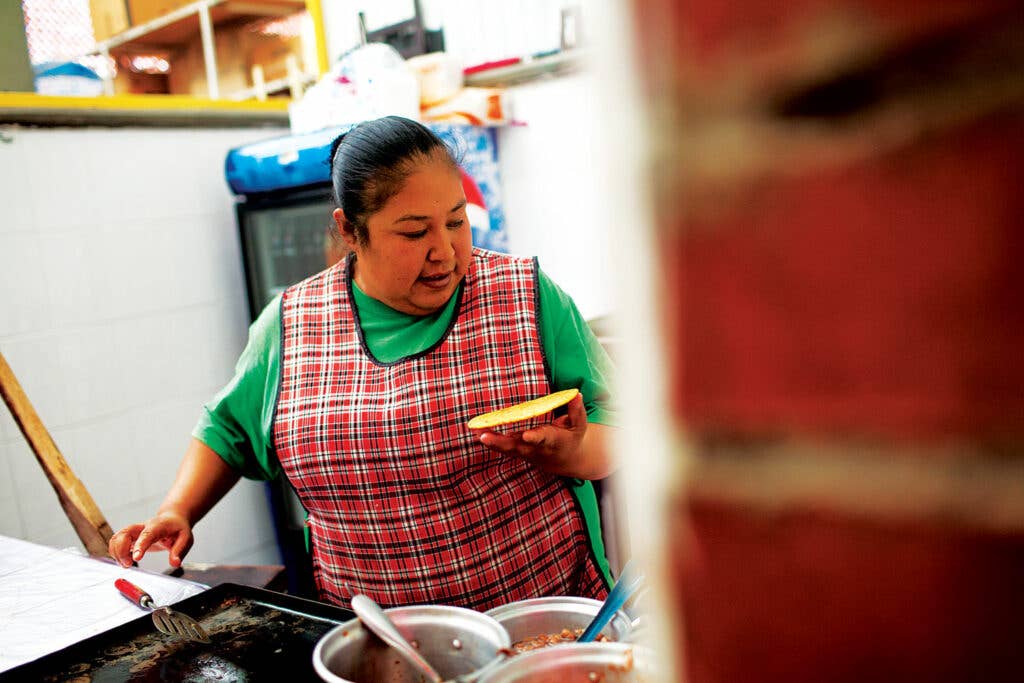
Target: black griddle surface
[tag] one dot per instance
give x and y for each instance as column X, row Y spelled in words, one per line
column 255, row 634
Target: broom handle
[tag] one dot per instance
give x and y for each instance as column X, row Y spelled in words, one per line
column 80, row 508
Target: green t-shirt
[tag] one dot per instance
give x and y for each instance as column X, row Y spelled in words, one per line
column 237, row 423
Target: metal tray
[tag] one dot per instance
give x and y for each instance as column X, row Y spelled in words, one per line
column 255, row 635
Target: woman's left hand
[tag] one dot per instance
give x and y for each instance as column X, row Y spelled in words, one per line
column 567, row 446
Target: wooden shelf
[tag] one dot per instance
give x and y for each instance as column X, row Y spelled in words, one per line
column 270, row 88
column 183, row 25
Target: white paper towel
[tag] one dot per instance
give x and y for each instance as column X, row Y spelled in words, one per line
column 50, row 598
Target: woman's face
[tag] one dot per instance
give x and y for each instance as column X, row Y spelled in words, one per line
column 419, row 243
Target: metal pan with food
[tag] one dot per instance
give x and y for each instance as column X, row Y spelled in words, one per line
column 542, row 622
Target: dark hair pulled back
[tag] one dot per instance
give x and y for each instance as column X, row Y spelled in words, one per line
column 370, row 163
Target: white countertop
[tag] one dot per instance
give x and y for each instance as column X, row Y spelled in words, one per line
column 51, row 598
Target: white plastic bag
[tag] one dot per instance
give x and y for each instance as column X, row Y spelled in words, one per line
column 368, row 82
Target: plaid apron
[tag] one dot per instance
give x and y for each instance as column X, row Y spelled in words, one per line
column 405, row 505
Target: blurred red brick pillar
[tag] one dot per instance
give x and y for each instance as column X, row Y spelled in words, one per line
column 841, row 224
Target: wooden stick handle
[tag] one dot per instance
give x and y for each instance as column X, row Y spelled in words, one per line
column 81, row 510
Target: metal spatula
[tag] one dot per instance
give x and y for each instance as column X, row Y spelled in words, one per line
column 166, row 620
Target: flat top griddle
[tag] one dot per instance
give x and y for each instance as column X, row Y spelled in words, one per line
column 255, row 634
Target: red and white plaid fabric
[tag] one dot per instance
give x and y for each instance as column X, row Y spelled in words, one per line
column 404, row 503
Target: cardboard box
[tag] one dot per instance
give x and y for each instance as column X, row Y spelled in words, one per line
column 109, row 17
column 141, row 11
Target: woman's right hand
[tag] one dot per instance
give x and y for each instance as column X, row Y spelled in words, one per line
column 168, row 531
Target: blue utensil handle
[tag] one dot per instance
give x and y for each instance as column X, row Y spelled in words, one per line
column 628, row 583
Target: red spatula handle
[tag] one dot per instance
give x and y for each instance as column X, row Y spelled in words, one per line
column 133, row 592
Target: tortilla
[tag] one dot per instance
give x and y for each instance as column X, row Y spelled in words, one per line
column 523, row 411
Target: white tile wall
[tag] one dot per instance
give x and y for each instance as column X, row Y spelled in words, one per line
column 549, row 187
column 38, row 505
column 158, row 440
column 35, row 361
column 232, row 531
column 8, row 429
column 14, row 188
column 63, row 155
column 77, row 294
column 20, row 262
column 10, row 514
column 101, row 456
column 10, row 517
column 122, row 309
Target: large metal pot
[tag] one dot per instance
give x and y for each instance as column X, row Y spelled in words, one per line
column 455, row 640
column 577, row 663
column 531, row 618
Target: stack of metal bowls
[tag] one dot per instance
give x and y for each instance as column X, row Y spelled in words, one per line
column 618, row 661
column 456, row 641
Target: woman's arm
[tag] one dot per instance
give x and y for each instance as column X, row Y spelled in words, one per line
column 594, row 452
column 203, row 479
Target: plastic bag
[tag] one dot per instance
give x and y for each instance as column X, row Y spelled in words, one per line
column 368, row 82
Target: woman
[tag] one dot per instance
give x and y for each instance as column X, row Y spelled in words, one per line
column 358, row 382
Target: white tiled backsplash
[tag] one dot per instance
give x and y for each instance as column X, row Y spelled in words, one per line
column 122, row 309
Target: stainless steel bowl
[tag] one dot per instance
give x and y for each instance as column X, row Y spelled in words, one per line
column 578, row 663
column 456, row 641
column 531, row 618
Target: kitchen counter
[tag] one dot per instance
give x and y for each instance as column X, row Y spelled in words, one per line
column 51, row 598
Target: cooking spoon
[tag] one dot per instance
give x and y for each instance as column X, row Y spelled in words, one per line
column 628, row 583
column 374, row 618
